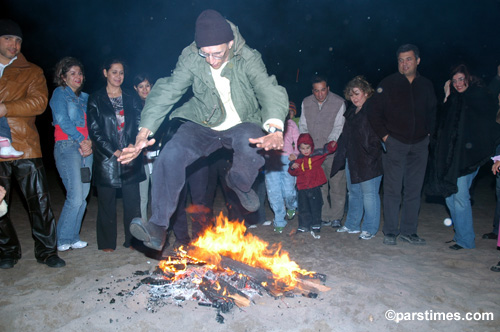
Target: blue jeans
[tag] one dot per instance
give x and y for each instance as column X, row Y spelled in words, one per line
column 4, row 128
column 364, row 199
column 68, row 163
column 280, row 187
column 461, row 212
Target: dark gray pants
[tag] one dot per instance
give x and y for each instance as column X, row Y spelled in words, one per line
column 404, row 172
column 189, row 143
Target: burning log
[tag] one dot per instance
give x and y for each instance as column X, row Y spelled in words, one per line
column 216, row 296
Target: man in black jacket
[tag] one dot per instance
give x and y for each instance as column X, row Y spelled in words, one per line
column 403, row 117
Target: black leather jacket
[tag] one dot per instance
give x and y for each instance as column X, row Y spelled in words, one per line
column 102, row 124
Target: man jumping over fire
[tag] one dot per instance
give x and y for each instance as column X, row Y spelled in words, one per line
column 234, row 99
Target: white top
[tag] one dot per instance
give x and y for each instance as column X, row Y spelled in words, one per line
column 3, row 208
column 224, row 89
column 2, row 66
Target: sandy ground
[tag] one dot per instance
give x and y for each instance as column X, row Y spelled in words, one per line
column 97, row 291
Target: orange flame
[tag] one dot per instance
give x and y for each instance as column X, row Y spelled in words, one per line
column 229, row 239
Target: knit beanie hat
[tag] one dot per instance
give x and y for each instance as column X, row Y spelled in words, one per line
column 305, row 139
column 9, row 27
column 212, row 29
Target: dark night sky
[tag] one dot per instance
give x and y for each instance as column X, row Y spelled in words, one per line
column 338, row 38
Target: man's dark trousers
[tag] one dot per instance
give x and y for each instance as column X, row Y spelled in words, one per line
column 190, row 142
column 30, row 175
column 404, row 172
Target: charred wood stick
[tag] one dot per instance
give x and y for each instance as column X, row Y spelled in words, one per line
column 311, row 287
column 314, row 276
column 240, row 298
column 257, row 274
column 220, row 301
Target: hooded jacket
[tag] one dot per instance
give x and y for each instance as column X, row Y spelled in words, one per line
column 310, row 174
column 256, row 96
column 24, row 92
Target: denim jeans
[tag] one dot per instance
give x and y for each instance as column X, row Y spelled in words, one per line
column 461, row 212
column 68, row 163
column 4, row 128
column 364, row 199
column 280, row 186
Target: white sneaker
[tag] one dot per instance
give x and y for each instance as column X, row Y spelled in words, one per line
column 366, row 235
column 10, row 152
column 79, row 245
column 267, row 223
column 64, row 247
column 344, row 229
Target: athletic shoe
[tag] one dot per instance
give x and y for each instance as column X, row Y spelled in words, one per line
column 290, row 213
column 344, row 229
column 336, row 223
column 278, row 229
column 10, row 152
column 64, row 247
column 366, row 235
column 78, row 245
column 301, row 229
column 326, row 223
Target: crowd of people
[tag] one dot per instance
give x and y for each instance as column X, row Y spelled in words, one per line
column 240, row 131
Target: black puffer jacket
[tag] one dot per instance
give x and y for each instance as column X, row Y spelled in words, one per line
column 360, row 145
column 102, row 124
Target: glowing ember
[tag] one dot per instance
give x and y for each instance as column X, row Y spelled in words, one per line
column 229, row 239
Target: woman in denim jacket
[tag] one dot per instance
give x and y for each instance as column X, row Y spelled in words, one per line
column 72, row 150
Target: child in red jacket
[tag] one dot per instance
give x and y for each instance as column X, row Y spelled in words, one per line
column 310, row 176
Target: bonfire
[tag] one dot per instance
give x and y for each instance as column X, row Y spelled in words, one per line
column 227, row 267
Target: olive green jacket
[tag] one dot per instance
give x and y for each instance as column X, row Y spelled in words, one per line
column 256, row 96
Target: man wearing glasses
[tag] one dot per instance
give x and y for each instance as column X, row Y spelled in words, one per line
column 234, row 100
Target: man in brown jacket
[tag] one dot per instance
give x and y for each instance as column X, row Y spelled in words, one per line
column 23, row 96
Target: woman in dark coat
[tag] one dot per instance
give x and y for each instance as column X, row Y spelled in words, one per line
column 465, row 139
column 113, row 121
column 360, row 152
